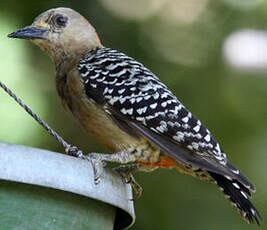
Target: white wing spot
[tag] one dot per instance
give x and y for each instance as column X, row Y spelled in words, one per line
column 141, row 110
column 253, row 211
column 160, row 128
column 179, row 136
column 164, row 104
column 195, row 145
column 127, row 111
column 113, row 100
column 236, row 185
column 244, row 194
column 153, row 106
column 156, row 95
column 122, row 100
column 207, row 138
column 170, row 123
column 132, row 100
column 197, row 128
column 235, row 171
column 185, row 119
column 121, row 91
column 105, row 90
column 139, row 99
column 190, row 147
column 218, row 148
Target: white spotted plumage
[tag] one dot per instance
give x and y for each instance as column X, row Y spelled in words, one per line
column 133, row 84
column 127, row 87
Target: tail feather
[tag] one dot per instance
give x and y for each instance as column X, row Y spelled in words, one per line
column 238, row 194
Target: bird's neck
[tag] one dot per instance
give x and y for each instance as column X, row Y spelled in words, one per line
column 66, row 61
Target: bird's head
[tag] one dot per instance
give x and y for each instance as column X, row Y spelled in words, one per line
column 62, row 33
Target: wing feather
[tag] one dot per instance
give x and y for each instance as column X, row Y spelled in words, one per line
column 179, row 152
column 141, row 103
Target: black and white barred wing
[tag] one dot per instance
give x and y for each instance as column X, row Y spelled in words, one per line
column 140, row 103
column 176, row 131
column 135, row 96
column 235, row 186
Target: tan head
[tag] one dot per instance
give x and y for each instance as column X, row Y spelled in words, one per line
column 62, row 33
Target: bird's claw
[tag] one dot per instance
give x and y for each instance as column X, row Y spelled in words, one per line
column 138, row 190
column 94, row 158
column 98, row 165
column 125, row 171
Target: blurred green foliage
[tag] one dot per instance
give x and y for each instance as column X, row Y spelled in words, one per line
column 181, row 41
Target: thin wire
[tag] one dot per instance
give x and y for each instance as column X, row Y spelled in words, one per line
column 71, row 150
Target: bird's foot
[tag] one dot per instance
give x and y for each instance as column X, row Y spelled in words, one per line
column 95, row 158
column 126, row 172
column 98, row 161
column 98, row 165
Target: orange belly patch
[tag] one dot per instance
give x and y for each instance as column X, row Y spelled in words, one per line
column 165, row 161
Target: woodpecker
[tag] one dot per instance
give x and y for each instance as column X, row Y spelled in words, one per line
column 126, row 107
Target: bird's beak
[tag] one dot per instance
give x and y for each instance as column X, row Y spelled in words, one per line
column 29, row 32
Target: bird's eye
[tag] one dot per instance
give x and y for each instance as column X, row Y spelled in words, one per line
column 59, row 20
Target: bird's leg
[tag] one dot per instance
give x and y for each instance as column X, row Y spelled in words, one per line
column 97, row 164
column 126, row 172
column 98, row 159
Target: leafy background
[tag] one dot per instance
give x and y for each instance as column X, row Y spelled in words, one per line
column 182, row 41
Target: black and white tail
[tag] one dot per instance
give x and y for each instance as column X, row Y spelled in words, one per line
column 238, row 195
